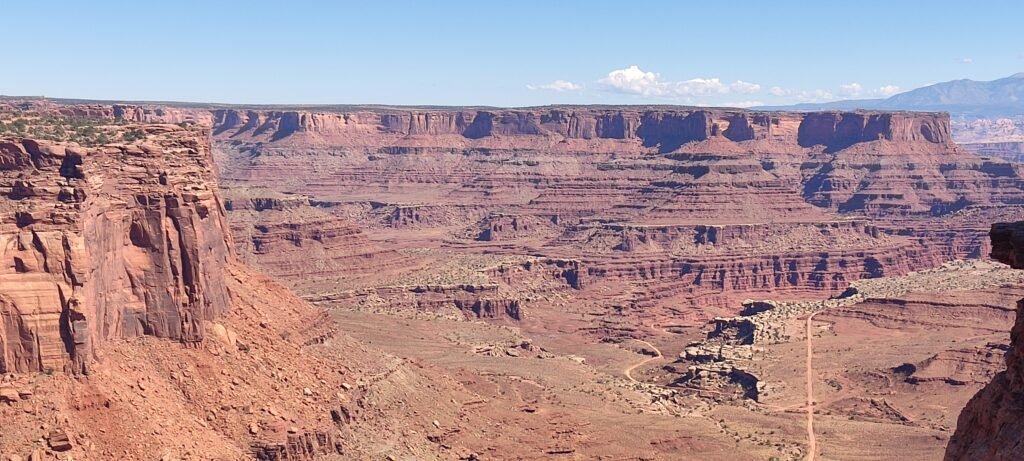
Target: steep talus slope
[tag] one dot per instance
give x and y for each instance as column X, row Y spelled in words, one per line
column 991, row 426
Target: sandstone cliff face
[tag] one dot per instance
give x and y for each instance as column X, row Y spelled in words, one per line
column 1012, row 151
column 838, row 130
column 991, row 426
column 144, row 114
column 664, row 129
column 304, row 246
column 105, row 243
column 126, row 112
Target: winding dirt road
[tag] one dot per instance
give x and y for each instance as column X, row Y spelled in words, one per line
column 812, row 444
column 629, row 370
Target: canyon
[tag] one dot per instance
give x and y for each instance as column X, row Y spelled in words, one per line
column 689, row 208
column 566, row 282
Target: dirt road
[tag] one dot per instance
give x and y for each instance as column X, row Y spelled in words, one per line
column 629, row 370
column 812, row 444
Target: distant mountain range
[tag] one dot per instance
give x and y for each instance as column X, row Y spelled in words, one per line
column 961, row 98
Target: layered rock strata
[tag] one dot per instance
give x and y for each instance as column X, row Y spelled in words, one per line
column 105, row 243
column 620, row 189
column 473, row 301
column 685, row 207
column 305, row 246
column 666, row 129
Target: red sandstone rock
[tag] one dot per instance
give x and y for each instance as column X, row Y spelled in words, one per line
column 105, row 243
column 303, row 245
column 58, row 441
column 666, row 129
column 143, row 213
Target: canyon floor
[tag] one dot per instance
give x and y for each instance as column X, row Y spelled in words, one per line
column 894, row 367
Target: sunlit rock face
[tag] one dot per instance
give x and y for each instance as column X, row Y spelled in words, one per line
column 100, row 243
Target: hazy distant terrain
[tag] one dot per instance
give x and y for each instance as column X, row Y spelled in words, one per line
column 967, row 98
column 981, row 112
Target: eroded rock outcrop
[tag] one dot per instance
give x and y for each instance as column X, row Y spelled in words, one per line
column 303, row 245
column 472, row 301
column 665, row 129
column 134, row 113
column 838, row 129
column 104, row 243
column 991, row 426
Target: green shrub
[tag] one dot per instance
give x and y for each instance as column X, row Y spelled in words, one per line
column 133, row 135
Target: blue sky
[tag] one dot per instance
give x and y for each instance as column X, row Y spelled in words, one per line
column 503, row 53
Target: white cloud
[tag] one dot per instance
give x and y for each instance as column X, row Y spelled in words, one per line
column 697, row 87
column 817, row 95
column 742, row 87
column 557, row 85
column 888, row 90
column 851, row 89
column 741, row 104
column 848, row 91
column 804, row 95
column 967, row 60
column 854, row 90
column 636, row 81
column 633, row 80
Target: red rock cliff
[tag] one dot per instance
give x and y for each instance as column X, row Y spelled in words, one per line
column 991, row 426
column 105, row 243
column 839, row 129
column 666, row 129
column 127, row 112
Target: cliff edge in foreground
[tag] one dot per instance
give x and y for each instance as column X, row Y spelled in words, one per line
column 110, row 242
column 991, row 426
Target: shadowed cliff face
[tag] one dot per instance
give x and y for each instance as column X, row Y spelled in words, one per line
column 665, row 130
column 838, row 130
column 991, row 426
column 105, row 243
